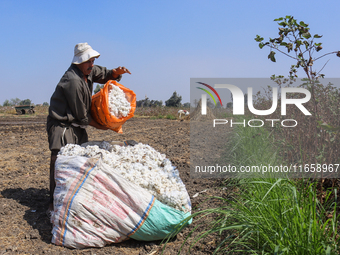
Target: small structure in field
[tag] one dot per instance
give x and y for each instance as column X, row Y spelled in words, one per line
column 23, row 109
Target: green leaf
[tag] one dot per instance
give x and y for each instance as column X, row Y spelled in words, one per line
column 261, row 45
column 289, row 47
column 306, row 35
column 317, row 36
column 318, row 48
column 317, row 44
column 291, row 21
column 271, row 56
column 306, row 43
column 283, row 23
column 303, row 24
column 279, row 19
column 258, row 38
column 280, row 39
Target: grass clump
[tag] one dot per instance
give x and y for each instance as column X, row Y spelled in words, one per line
column 268, row 215
column 156, row 111
column 159, row 116
column 274, row 216
column 170, row 117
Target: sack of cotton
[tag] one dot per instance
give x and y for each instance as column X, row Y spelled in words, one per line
column 108, row 193
column 113, row 105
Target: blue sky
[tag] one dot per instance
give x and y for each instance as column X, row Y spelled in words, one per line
column 162, row 43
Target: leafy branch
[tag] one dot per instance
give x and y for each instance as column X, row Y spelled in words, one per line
column 295, row 41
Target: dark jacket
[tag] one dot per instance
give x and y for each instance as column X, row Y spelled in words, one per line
column 71, row 100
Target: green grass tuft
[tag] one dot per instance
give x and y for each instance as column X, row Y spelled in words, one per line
column 269, row 215
column 170, row 117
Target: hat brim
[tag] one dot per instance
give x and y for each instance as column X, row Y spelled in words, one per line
column 85, row 56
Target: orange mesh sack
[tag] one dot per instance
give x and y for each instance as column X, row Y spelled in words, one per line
column 100, row 111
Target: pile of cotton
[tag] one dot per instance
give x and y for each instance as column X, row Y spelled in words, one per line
column 141, row 165
column 119, row 106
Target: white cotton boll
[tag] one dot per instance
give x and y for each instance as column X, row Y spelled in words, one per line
column 118, row 104
column 142, row 165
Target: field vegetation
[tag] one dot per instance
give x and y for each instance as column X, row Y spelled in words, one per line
column 266, row 214
column 159, row 112
column 9, row 111
column 156, row 112
column 286, row 215
column 315, row 138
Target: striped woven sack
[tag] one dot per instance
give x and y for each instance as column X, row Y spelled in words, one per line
column 95, row 206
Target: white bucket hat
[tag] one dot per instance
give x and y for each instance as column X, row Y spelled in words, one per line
column 83, row 52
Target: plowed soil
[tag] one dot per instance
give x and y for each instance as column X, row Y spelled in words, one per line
column 24, row 184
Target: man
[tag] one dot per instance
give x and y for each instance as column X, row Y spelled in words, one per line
column 69, row 111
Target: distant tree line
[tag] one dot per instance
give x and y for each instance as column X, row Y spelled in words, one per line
column 174, row 101
column 149, row 103
column 17, row 101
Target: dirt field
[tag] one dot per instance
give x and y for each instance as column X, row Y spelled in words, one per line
column 24, row 183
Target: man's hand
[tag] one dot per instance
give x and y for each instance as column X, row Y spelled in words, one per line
column 118, row 71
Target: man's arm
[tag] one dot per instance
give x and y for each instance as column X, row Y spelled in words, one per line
column 102, row 74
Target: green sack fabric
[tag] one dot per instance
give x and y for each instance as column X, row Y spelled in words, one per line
column 161, row 221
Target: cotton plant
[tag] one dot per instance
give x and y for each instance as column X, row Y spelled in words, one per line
column 142, row 165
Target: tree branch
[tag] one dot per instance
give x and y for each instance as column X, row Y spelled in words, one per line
column 326, row 55
column 281, row 52
column 322, row 67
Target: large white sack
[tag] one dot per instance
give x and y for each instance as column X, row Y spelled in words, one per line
column 93, row 206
